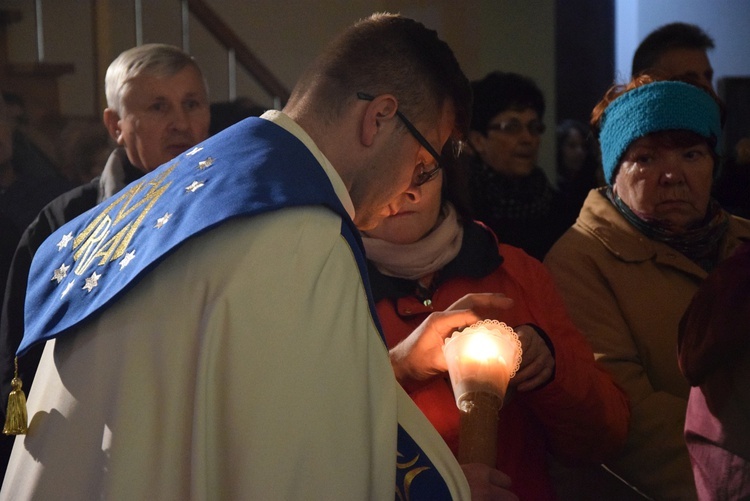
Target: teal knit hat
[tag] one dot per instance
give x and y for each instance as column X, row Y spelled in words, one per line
column 656, row 107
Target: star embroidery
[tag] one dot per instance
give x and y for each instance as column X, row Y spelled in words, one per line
column 61, row 273
column 162, row 220
column 126, row 260
column 67, row 289
column 92, row 282
column 204, row 164
column 194, row 186
column 193, row 151
column 64, row 241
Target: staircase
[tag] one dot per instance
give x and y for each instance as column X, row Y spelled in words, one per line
column 37, row 82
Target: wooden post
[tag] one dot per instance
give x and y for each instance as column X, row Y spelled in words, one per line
column 101, row 26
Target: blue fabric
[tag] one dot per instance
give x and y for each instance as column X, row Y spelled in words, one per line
column 251, row 168
column 255, row 166
column 417, row 478
column 651, row 108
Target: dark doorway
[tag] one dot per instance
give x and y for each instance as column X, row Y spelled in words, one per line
column 585, row 57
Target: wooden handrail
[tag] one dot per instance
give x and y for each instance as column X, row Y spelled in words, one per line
column 7, row 17
column 225, row 36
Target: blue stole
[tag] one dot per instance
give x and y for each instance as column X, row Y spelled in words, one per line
column 250, row 168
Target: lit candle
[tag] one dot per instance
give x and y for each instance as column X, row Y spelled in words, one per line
column 481, row 360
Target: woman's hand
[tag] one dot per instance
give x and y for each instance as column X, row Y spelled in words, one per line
column 537, row 364
column 419, row 357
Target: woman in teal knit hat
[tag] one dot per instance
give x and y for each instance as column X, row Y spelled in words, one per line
column 639, row 250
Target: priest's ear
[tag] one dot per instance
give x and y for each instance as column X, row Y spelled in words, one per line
column 112, row 123
column 378, row 110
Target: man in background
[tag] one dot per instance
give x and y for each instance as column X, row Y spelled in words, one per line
column 157, row 107
column 676, row 49
column 28, row 180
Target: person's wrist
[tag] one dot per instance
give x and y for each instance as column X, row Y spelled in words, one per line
column 403, row 370
column 398, row 363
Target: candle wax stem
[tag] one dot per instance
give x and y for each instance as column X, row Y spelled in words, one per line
column 478, row 428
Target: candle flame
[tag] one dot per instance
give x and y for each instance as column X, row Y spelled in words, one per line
column 481, row 348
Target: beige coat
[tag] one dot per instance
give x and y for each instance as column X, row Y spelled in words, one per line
column 627, row 294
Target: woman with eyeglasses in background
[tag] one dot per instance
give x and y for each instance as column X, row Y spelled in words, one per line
column 509, row 191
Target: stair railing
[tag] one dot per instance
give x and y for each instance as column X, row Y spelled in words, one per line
column 237, row 50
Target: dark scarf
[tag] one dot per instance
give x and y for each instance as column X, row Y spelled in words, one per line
column 700, row 244
column 504, row 197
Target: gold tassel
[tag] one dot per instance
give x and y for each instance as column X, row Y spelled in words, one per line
column 16, row 418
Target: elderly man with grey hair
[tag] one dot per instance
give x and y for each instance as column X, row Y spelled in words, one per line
column 157, row 107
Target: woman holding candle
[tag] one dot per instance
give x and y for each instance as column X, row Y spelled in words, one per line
column 637, row 254
column 425, row 256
